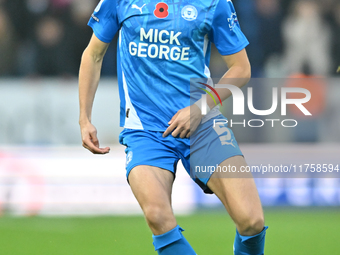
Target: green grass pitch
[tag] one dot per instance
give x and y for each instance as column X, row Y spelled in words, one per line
column 291, row 231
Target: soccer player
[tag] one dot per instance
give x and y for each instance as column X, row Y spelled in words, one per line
column 162, row 45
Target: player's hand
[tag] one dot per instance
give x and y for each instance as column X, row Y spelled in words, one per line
column 90, row 140
column 184, row 122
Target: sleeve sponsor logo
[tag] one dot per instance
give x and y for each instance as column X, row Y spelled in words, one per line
column 94, row 17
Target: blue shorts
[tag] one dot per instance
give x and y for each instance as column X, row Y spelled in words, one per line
column 211, row 144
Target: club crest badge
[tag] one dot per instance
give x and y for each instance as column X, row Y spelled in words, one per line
column 189, row 13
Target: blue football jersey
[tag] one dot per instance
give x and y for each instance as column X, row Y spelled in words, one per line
column 161, row 46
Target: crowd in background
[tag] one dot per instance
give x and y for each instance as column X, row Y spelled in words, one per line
column 44, row 37
column 47, row 37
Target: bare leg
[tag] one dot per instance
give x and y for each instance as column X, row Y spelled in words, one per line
column 240, row 197
column 152, row 188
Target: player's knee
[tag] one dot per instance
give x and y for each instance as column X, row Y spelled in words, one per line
column 251, row 226
column 157, row 216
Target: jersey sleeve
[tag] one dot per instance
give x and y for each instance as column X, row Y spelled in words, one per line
column 225, row 31
column 104, row 20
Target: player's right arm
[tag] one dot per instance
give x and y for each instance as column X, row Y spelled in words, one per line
column 104, row 23
column 89, row 75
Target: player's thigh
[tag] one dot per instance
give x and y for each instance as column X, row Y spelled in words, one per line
column 152, row 187
column 239, row 195
column 149, row 183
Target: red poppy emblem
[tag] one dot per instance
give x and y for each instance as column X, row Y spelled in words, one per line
column 161, row 10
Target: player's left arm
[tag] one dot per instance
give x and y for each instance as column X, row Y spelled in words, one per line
column 239, row 74
column 186, row 120
column 226, row 34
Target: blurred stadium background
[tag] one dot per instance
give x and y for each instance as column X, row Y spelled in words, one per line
column 57, row 198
